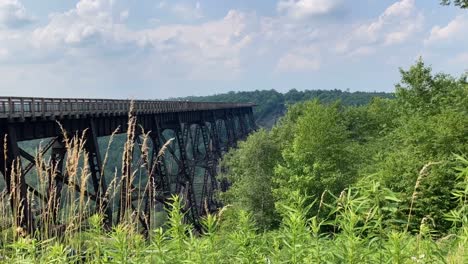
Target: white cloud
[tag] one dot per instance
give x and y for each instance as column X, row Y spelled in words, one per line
column 13, row 14
column 299, row 60
column 395, row 25
column 456, row 27
column 402, row 8
column 182, row 11
column 280, row 30
column 90, row 23
column 300, row 9
column 215, row 44
column 362, row 51
column 217, row 48
column 210, row 50
column 401, row 34
column 187, row 12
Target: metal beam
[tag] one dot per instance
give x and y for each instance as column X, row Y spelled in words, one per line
column 98, row 179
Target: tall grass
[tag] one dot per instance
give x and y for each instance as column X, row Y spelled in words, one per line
column 230, row 237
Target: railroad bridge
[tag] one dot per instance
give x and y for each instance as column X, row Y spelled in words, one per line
column 179, row 142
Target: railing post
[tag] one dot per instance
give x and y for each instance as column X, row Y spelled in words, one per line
column 33, row 108
column 61, row 108
column 3, row 107
column 22, row 108
column 10, row 107
column 43, row 106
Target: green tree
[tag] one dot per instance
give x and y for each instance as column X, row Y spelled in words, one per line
column 431, row 126
column 251, row 174
column 320, row 156
column 424, row 93
column 459, row 3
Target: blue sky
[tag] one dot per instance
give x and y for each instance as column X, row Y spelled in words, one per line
column 159, row 49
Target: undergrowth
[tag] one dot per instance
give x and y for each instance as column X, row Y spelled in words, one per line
column 359, row 231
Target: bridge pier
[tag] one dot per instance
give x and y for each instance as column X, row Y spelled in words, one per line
column 12, row 170
column 185, row 181
column 97, row 173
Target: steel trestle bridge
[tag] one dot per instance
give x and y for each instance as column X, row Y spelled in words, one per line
column 202, row 133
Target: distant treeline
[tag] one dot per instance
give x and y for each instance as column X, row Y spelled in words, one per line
column 272, row 104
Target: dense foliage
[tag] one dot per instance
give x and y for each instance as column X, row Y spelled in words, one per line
column 271, row 105
column 407, row 144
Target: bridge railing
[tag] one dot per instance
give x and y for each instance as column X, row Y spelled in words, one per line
column 22, row 107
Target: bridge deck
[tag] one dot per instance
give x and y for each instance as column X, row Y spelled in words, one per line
column 30, row 107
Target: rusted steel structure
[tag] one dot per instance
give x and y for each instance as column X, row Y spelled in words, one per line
column 202, row 132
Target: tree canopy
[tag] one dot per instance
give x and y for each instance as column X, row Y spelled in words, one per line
column 459, row 3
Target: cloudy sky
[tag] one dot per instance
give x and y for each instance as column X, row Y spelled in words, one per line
column 159, row 49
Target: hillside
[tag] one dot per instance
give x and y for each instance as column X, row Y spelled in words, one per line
column 272, row 104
